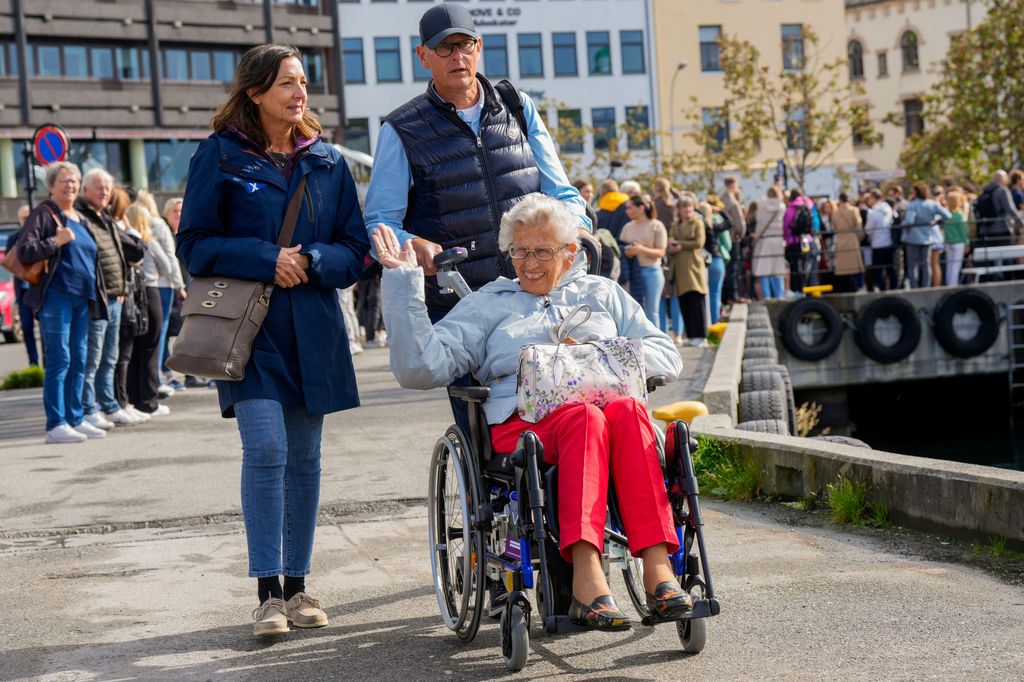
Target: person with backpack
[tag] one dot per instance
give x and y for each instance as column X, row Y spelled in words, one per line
column 798, row 228
column 997, row 217
column 451, row 161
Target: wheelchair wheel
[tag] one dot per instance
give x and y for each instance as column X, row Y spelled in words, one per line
column 633, row 576
column 515, row 637
column 457, row 555
column 693, row 633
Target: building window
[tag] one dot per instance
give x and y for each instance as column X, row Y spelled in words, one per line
column 76, row 61
column 202, row 69
column 418, row 72
column 496, row 55
column 913, row 117
column 313, row 65
column 883, row 64
column 599, row 53
column 357, row 134
column 168, row 163
column 564, row 48
column 352, row 54
column 793, row 46
column 855, row 57
column 531, row 57
column 570, row 131
column 389, row 60
column 8, row 59
column 631, row 44
column 110, row 156
column 796, row 129
column 716, row 126
column 176, row 65
column 128, row 67
column 48, row 59
column 638, row 128
column 224, row 66
column 710, row 54
column 603, row 121
column 908, row 46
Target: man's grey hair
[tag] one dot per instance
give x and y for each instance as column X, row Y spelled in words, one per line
column 538, row 209
column 630, row 187
column 1001, row 177
column 54, row 169
column 171, row 203
column 96, row 174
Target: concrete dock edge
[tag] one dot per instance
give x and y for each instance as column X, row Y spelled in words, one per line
column 722, row 390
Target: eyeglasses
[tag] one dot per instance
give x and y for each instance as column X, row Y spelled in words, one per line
column 465, row 47
column 542, row 253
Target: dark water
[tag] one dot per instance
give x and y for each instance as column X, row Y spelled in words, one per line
column 963, row 419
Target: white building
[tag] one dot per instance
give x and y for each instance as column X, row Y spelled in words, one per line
column 587, row 60
column 894, row 49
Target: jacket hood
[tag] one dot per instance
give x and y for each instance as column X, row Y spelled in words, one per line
column 612, row 200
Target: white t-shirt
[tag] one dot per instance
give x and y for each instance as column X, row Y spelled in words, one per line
column 879, row 225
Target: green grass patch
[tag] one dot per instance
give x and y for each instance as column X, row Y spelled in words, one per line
column 31, row 377
column 724, row 472
column 847, row 500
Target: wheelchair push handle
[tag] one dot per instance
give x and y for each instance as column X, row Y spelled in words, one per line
column 448, row 278
column 449, row 258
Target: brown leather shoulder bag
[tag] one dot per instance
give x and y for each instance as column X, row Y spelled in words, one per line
column 222, row 315
column 31, row 272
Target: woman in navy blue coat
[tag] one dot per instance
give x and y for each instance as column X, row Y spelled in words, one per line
column 239, row 184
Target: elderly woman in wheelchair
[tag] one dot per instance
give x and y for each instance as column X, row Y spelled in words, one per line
column 484, row 335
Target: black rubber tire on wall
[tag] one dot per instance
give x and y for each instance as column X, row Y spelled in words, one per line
column 759, row 323
column 888, row 306
column 759, row 341
column 845, row 440
column 833, row 329
column 783, row 372
column 777, row 426
column 762, row 380
column 759, row 332
column 761, row 352
column 957, row 302
column 762, row 405
column 758, row 363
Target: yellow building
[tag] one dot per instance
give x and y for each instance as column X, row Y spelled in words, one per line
column 686, row 31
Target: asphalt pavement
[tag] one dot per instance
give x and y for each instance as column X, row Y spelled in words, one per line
column 124, row 558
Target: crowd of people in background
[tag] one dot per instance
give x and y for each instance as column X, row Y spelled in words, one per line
column 684, row 258
column 104, row 304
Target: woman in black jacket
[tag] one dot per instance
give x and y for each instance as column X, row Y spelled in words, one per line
column 69, row 295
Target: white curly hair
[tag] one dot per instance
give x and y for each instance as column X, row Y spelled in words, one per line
column 538, row 209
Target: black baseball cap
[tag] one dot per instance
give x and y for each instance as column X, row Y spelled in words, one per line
column 443, row 20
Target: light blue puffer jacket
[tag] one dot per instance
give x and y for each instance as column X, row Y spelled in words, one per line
column 485, row 332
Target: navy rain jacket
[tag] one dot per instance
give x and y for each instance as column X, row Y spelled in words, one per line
column 234, row 205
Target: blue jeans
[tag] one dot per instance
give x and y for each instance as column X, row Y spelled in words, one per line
column 101, row 361
column 166, row 297
column 28, row 329
column 64, row 326
column 716, row 275
column 772, row 286
column 677, row 315
column 280, row 485
column 653, row 281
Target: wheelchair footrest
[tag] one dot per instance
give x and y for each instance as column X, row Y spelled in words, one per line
column 562, row 625
column 702, row 608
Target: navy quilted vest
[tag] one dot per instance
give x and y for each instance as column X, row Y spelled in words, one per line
column 463, row 184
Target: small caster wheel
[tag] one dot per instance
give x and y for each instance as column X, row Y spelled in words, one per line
column 515, row 637
column 693, row 633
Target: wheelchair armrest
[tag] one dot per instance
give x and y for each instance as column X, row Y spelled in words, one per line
column 655, row 381
column 471, row 394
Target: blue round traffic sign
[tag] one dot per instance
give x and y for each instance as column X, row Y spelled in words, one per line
column 51, row 144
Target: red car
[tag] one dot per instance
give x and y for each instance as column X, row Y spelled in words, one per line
column 10, row 325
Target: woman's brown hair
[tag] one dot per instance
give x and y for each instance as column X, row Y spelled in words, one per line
column 255, row 75
column 920, row 190
column 643, row 202
column 119, row 201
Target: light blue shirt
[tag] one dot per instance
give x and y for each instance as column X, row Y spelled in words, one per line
column 388, row 196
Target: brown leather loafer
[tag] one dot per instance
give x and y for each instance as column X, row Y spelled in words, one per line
column 602, row 614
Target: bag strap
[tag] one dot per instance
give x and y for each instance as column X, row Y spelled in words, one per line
column 284, row 240
column 567, row 326
column 510, row 96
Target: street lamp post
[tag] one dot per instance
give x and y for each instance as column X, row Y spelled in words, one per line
column 672, row 105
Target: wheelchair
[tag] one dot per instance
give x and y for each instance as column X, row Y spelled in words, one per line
column 493, row 519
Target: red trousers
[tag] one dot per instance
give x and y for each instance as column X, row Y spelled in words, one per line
column 586, row 443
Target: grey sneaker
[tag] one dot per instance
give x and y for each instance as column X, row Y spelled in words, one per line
column 270, row 618
column 305, row 612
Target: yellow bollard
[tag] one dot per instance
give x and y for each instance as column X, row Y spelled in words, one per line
column 684, row 409
column 717, row 329
column 817, row 291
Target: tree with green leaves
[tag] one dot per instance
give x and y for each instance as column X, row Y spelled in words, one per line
column 808, row 108
column 973, row 116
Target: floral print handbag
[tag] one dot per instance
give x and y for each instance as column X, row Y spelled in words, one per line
column 595, row 372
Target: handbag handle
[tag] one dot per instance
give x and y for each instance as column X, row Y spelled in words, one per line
column 566, row 327
column 284, row 239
